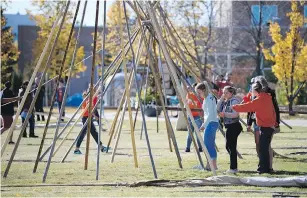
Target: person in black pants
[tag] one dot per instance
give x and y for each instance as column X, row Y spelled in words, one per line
column 93, row 128
column 25, row 110
column 39, row 101
column 7, row 110
column 265, row 119
column 232, row 124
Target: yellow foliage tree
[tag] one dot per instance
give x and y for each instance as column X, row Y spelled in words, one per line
column 49, row 12
column 289, row 54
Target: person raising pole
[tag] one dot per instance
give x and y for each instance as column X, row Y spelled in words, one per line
column 232, row 124
column 211, row 122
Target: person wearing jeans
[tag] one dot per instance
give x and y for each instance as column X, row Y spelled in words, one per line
column 209, row 139
column 232, row 125
column 194, row 102
column 198, row 122
column 210, row 124
column 266, row 119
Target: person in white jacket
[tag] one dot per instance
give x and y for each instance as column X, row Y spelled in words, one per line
column 210, row 124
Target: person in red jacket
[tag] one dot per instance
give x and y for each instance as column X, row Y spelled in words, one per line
column 93, row 131
column 194, row 103
column 263, row 107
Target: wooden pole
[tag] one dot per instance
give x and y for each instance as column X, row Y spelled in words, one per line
column 27, row 92
column 139, row 94
column 127, row 93
column 173, row 72
column 123, row 97
column 102, row 85
column 45, row 131
column 69, row 78
column 119, row 129
column 30, row 83
column 170, row 131
column 169, row 128
column 86, row 109
column 54, row 93
column 91, row 91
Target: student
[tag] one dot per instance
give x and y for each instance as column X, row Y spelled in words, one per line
column 25, row 110
column 40, row 100
column 194, row 103
column 224, row 83
column 211, row 123
column 93, row 128
column 266, row 120
column 270, row 91
column 60, row 96
column 251, row 119
column 231, row 123
column 7, row 110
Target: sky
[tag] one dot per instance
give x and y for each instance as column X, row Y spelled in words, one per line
column 15, row 6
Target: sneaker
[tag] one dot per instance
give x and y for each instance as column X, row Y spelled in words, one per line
column 11, row 142
column 198, row 167
column 77, row 152
column 187, row 150
column 33, row 136
column 200, row 150
column 24, row 135
column 105, row 149
column 232, row 171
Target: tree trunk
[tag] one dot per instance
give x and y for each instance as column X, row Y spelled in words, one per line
column 291, row 101
column 205, row 66
column 258, row 69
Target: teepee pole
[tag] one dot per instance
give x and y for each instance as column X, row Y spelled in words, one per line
column 27, row 92
column 45, row 131
column 101, row 85
column 31, row 82
column 173, row 73
column 139, row 96
column 54, row 94
column 89, row 125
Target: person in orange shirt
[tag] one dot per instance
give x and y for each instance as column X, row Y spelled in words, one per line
column 265, row 113
column 194, row 103
column 93, row 128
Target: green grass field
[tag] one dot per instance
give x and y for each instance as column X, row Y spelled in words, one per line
column 291, row 143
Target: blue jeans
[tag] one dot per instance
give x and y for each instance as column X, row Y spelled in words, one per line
column 209, row 138
column 59, row 107
column 198, row 122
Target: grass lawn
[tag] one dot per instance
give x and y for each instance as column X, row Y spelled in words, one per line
column 291, row 143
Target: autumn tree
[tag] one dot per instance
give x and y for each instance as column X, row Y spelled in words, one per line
column 289, row 54
column 113, row 38
column 49, row 10
column 196, row 24
column 9, row 52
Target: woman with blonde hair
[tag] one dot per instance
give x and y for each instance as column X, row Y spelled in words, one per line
column 211, row 123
